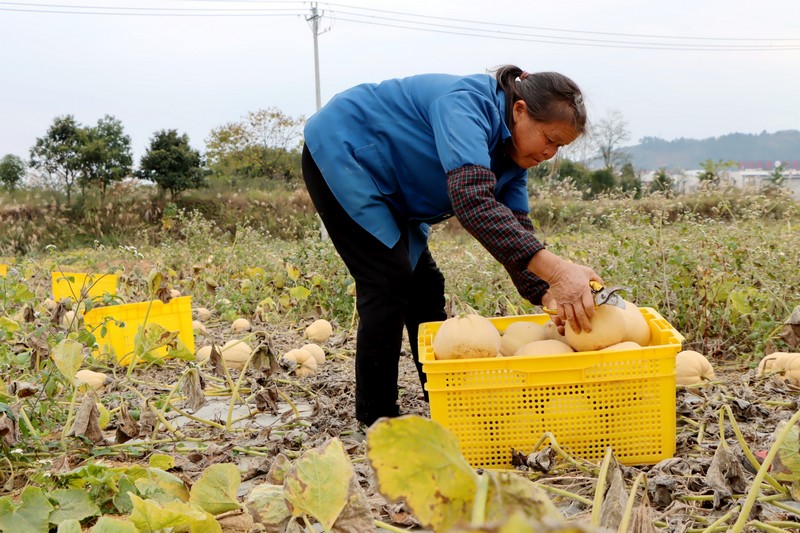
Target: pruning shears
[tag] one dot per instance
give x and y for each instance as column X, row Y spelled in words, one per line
column 601, row 295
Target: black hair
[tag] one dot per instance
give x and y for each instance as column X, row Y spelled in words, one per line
column 548, row 96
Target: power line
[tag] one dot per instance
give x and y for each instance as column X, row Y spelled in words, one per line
column 144, row 11
column 563, row 30
column 452, row 26
column 632, row 45
column 567, row 40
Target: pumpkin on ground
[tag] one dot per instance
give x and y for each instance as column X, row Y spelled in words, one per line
column 240, row 325
column 202, row 313
column 784, row 365
column 304, row 360
column 235, row 353
column 692, row 367
column 520, row 333
column 315, row 350
column 466, row 337
column 319, row 331
column 96, row 380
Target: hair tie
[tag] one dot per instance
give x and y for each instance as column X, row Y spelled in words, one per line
column 578, row 99
column 522, row 76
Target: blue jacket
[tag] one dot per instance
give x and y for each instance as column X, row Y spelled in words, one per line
column 385, row 150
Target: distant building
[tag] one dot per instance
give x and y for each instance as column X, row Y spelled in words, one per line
column 745, row 178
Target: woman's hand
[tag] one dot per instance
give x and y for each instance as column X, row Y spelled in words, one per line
column 569, row 287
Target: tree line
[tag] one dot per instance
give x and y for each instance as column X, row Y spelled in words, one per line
column 79, row 158
column 265, row 146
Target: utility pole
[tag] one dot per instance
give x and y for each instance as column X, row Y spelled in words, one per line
column 314, row 20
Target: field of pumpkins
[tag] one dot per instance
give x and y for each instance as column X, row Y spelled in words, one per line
column 214, row 419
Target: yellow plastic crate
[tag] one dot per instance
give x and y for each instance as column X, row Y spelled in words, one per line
column 587, row 400
column 3, row 269
column 72, row 284
column 118, row 341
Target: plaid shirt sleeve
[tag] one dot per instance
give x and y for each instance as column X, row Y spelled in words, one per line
column 507, row 235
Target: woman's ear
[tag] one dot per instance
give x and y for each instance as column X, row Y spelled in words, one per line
column 518, row 110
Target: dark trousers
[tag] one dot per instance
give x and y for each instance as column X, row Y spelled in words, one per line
column 389, row 296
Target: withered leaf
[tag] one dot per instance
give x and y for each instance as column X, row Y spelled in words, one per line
column 543, row 460
column 215, row 359
column 642, row 521
column 147, row 420
column 58, row 313
column 28, row 315
column 614, row 501
column 22, row 389
column 87, row 421
column 278, row 468
column 725, row 476
column 9, row 431
column 267, row 399
column 127, row 427
column 356, row 517
column 193, row 387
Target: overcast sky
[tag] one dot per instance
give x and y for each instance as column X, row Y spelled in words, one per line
column 678, row 68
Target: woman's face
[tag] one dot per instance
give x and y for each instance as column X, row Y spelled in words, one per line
column 536, row 141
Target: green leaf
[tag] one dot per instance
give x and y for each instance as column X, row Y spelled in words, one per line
column 162, row 486
column 418, row 461
column 9, row 325
column 267, row 506
column 317, row 484
column 149, row 516
column 69, row 526
column 786, row 465
column 31, row 516
column 72, row 504
column 107, row 524
column 151, row 337
column 299, row 293
column 162, row 461
column 154, row 280
column 122, row 499
column 293, row 272
column 68, row 356
column 216, row 489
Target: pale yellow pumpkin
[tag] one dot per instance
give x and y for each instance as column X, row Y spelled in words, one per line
column 319, row 331
column 608, row 327
column 315, row 350
column 306, row 365
column 96, row 380
column 552, row 332
column 692, row 367
column 784, row 365
column 202, row 354
column 520, row 333
column 544, row 347
column 199, row 328
column 235, row 353
column 240, row 325
column 636, row 327
column 774, row 362
column 202, row 314
column 466, row 337
column 624, row 345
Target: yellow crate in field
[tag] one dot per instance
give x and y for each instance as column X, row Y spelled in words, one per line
column 73, row 284
column 587, row 400
column 118, row 341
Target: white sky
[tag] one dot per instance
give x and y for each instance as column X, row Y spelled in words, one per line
column 195, row 73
